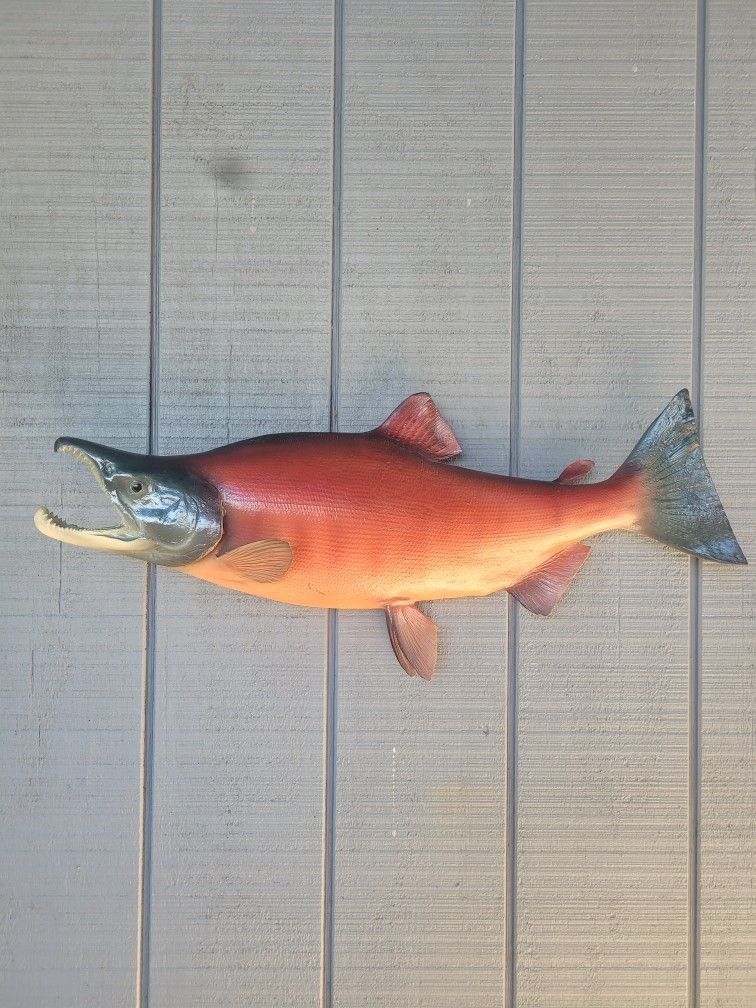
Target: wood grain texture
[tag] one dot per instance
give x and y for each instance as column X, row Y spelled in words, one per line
column 244, row 350
column 74, row 269
column 606, row 341
column 727, row 898
column 426, row 224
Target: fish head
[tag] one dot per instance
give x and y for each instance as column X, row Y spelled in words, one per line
column 168, row 515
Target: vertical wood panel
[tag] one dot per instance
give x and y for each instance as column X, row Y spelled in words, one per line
column 606, row 338
column 728, row 674
column 74, row 272
column 426, row 221
column 244, row 350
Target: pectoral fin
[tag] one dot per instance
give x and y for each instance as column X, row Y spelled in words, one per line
column 575, row 471
column 418, row 424
column 542, row 588
column 263, row 561
column 414, row 637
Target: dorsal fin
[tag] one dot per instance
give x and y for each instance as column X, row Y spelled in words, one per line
column 575, row 471
column 540, row 590
column 417, row 424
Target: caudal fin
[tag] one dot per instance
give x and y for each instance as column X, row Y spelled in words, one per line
column 682, row 507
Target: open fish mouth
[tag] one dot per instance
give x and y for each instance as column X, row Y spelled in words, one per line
column 125, row 537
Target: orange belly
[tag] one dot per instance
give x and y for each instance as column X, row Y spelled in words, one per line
column 370, row 523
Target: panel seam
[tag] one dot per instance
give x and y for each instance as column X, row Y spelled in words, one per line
column 146, row 766
column 331, row 655
column 510, row 869
column 694, row 621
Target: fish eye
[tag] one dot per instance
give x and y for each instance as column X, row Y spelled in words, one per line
column 136, row 487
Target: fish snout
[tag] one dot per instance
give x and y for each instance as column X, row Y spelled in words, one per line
column 102, row 461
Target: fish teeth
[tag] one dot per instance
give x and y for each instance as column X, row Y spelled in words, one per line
column 48, row 517
column 81, row 456
column 52, row 525
column 114, row 537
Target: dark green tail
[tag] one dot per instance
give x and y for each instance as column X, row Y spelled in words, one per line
column 683, row 508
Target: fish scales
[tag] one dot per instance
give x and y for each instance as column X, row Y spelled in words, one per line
column 370, row 522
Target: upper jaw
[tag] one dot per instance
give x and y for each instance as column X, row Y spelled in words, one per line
column 119, row 538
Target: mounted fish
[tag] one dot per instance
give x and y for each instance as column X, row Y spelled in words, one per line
column 375, row 521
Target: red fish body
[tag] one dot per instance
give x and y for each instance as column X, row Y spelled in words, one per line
column 371, row 523
column 377, row 520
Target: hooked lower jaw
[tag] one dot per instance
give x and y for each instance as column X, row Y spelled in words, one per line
column 118, row 539
column 123, row 538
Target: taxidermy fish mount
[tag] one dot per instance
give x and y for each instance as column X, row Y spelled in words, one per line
column 375, row 521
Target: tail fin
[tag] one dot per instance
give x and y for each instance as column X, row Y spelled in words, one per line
column 682, row 506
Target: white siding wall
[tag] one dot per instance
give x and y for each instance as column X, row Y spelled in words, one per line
column 522, row 208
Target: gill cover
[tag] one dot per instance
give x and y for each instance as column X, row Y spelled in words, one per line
column 168, row 515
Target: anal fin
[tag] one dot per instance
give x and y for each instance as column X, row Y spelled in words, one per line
column 540, row 590
column 414, row 638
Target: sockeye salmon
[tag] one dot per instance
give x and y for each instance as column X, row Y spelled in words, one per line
column 376, row 521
